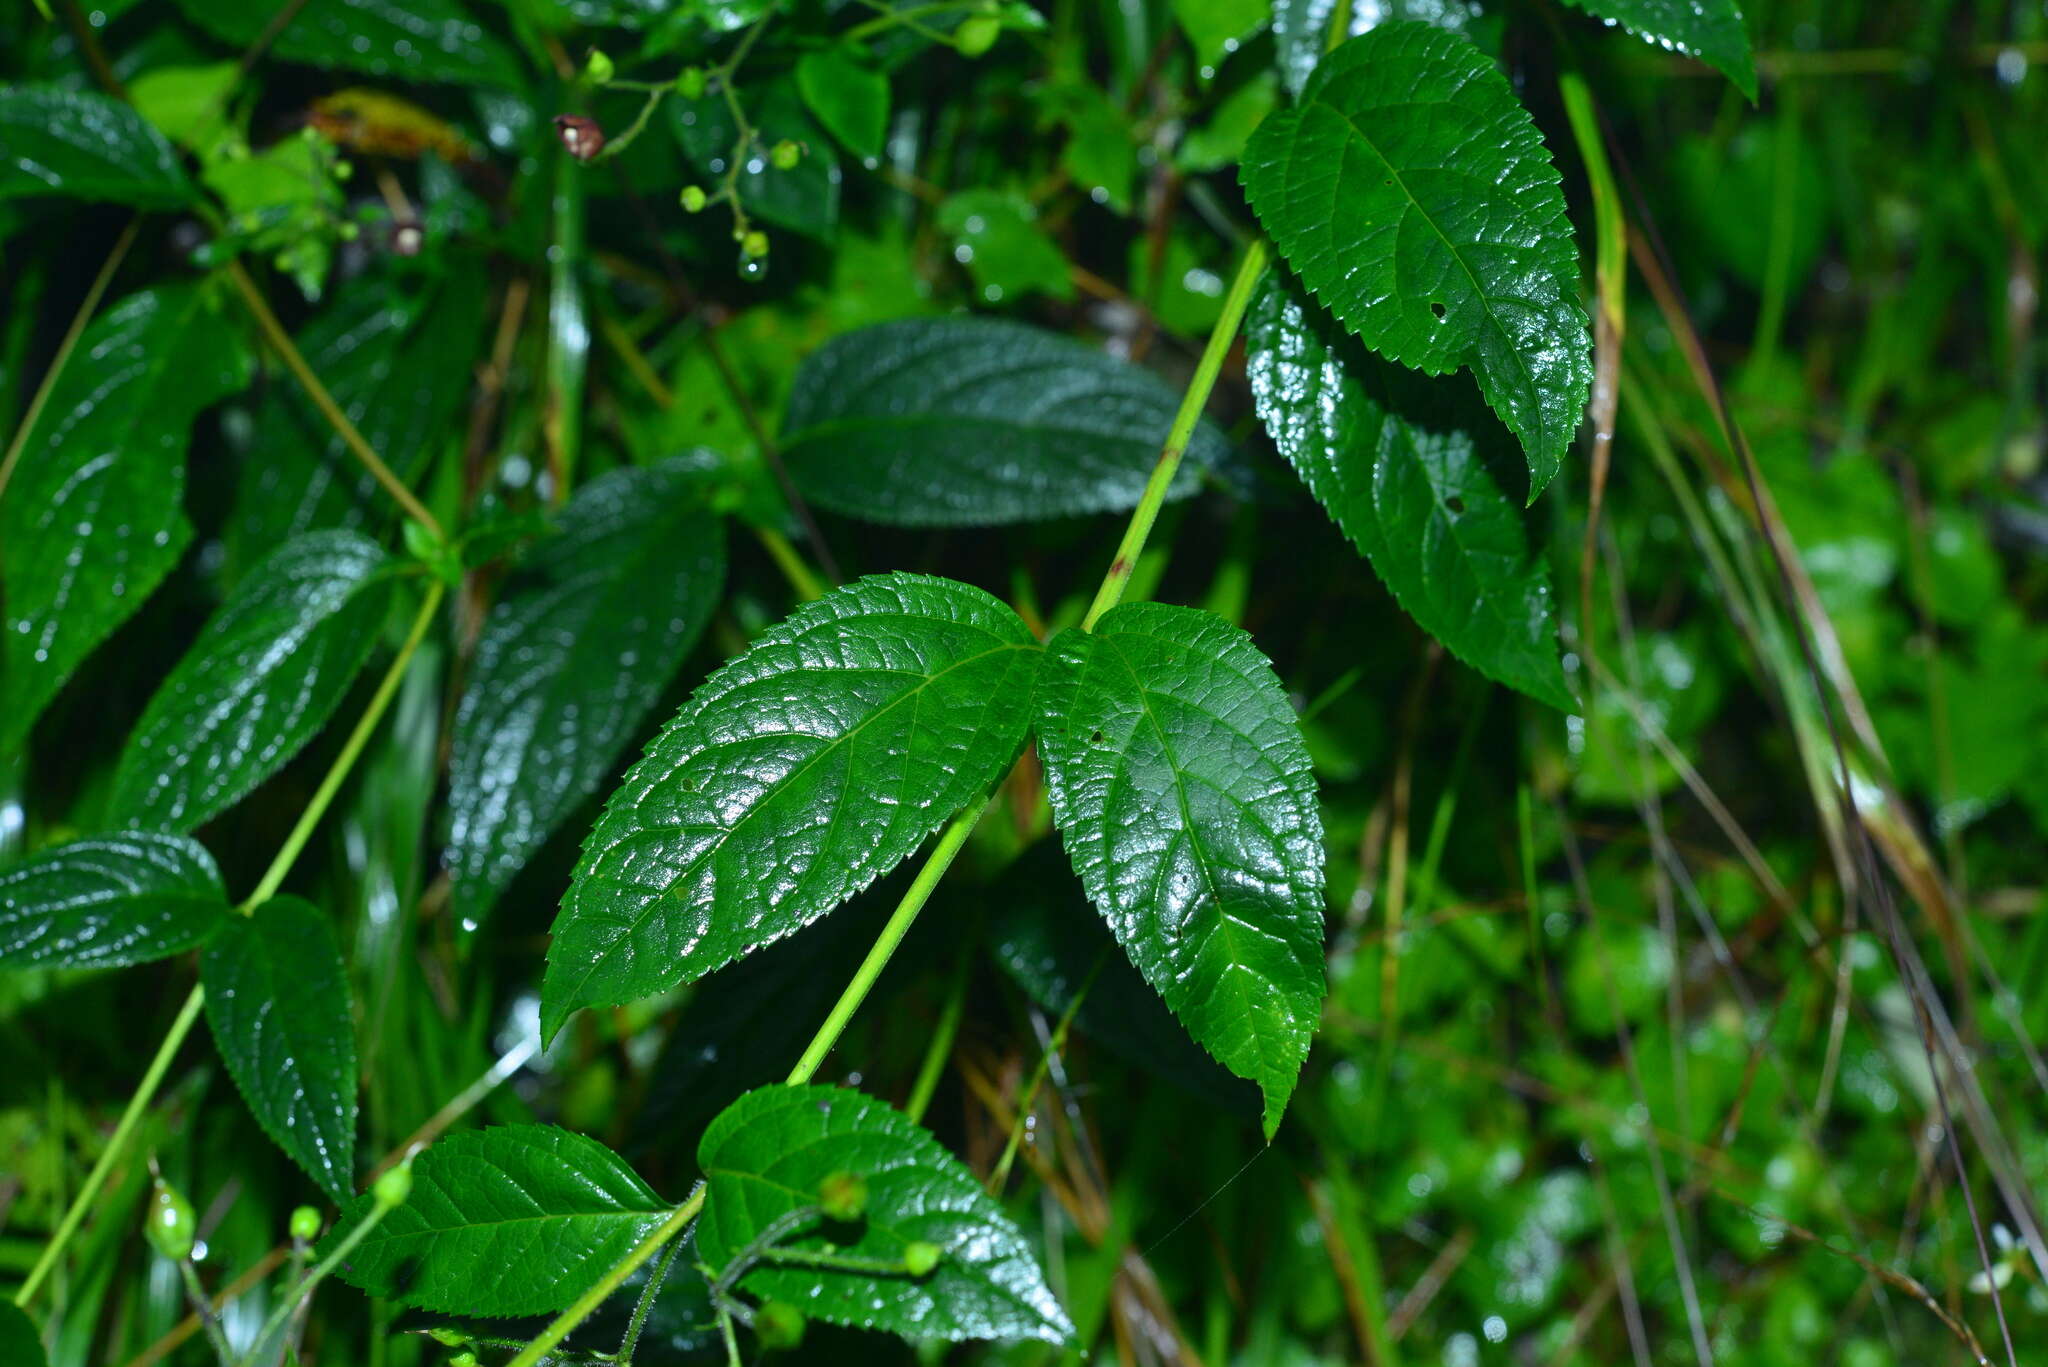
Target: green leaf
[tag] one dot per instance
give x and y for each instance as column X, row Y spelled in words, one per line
column 189, row 104
column 109, row 901
column 394, row 351
column 410, row 40
column 21, row 1345
column 278, row 1001
column 849, row 97
column 1181, row 786
column 764, row 1158
column 94, row 517
column 262, row 679
column 805, row 198
column 1399, row 467
column 1301, row 28
column 972, row 421
column 996, row 235
column 85, row 146
column 800, row 772
column 1216, row 28
column 584, row 638
column 1711, row 30
column 1413, row 195
column 512, row 1220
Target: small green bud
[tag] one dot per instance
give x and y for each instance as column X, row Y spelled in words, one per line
column 305, row 1224
column 977, row 35
column 170, row 1222
column 785, row 155
column 920, row 1258
column 843, row 1196
column 694, row 199
column 690, row 82
column 394, row 1186
column 463, row 1359
column 448, row 1338
column 779, row 1325
column 598, row 68
column 754, row 244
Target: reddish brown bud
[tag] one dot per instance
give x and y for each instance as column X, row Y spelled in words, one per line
column 580, row 135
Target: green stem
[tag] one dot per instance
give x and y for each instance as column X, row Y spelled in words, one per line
column 208, row 1321
column 281, row 342
column 791, row 564
column 288, row 853
column 941, row 1046
column 900, row 921
column 678, row 1220
column 86, row 308
column 321, row 1270
column 1028, row 1100
column 97, row 1178
column 631, row 1343
column 1211, row 365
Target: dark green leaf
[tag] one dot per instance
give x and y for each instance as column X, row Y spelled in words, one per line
column 764, row 1158
column 1216, row 28
column 261, row 681
column 394, row 351
column 109, row 901
column 805, row 198
column 971, row 421
column 1181, row 785
column 278, row 1001
column 1399, row 467
column 1412, row 193
column 1711, row 30
column 512, row 1220
column 1301, row 28
column 582, row 641
column 94, row 517
column 85, row 146
column 20, row 1344
column 850, row 98
column 799, row 772
column 411, row 40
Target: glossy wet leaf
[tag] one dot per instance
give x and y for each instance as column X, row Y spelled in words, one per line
column 1412, row 194
column 849, row 97
column 277, row 998
column 94, row 517
column 412, row 40
column 797, row 774
column 511, row 1220
column 764, row 1157
column 109, row 901
column 20, row 1343
column 262, row 679
column 1301, row 28
column 1398, row 465
column 583, row 639
column 972, row 421
column 1182, row 789
column 393, row 350
column 83, row 145
column 1711, row 30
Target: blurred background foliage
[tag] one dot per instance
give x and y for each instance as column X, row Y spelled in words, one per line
column 1624, row 1057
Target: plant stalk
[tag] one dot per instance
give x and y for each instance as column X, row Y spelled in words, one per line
column 1197, row 397
column 678, row 1220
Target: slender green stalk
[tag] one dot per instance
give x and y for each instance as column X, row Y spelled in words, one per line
column 321, row 1271
column 281, row 342
column 86, row 308
column 288, row 853
column 678, row 1220
column 1197, row 397
column 941, row 1047
column 188, row 1014
column 1028, row 1100
column 791, row 564
column 900, row 921
column 97, row 1178
column 631, row 1343
column 196, row 1294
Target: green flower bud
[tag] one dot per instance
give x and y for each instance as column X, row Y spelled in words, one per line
column 785, row 155
column 690, row 82
column 598, row 68
column 394, row 1186
column 754, row 244
column 843, row 1196
column 779, row 1325
column 305, row 1224
column 920, row 1258
column 977, row 35
column 464, row 1359
column 694, row 199
column 169, row 1222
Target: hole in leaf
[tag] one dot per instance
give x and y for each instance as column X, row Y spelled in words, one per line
column 1454, row 505
column 1095, row 739
column 1436, row 306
